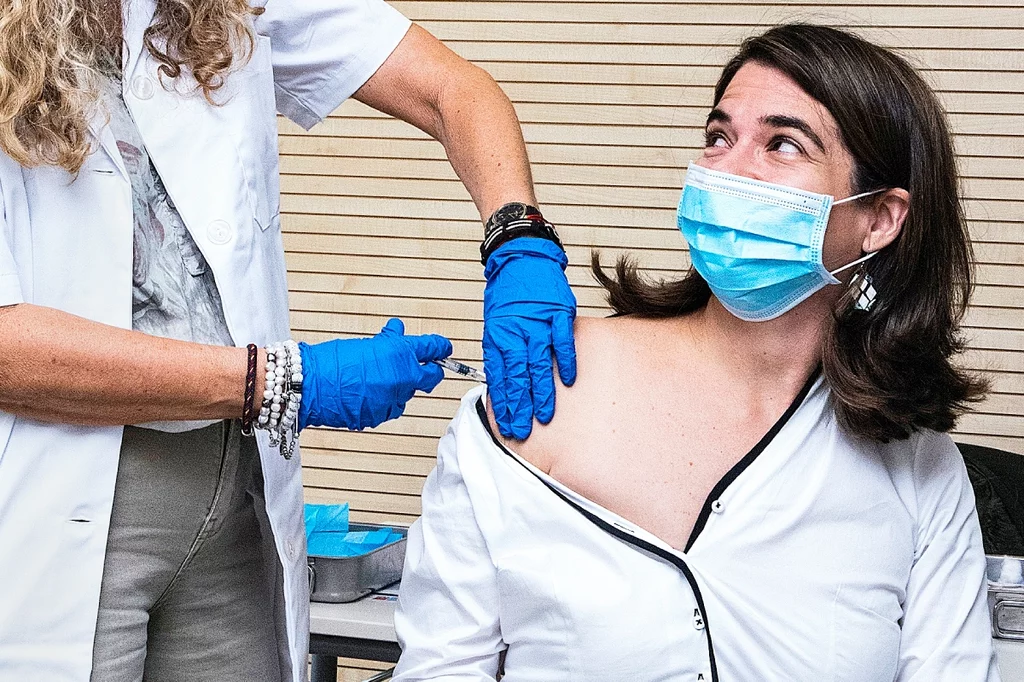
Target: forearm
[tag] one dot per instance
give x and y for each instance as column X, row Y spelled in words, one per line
column 58, row 367
column 482, row 137
column 459, row 104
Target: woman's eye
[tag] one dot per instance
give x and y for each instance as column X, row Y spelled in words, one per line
column 786, row 146
column 714, row 140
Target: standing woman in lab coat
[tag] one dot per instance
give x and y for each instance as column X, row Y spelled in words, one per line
column 142, row 282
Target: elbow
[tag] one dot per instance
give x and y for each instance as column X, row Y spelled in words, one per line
column 9, row 315
column 468, row 95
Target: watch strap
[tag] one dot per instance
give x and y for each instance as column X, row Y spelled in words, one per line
column 512, row 221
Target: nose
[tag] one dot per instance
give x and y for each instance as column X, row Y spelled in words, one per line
column 742, row 158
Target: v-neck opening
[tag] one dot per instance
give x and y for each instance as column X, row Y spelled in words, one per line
column 581, row 502
column 716, row 491
column 660, row 548
column 733, row 473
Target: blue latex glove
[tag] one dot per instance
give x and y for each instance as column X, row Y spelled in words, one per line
column 359, row 383
column 528, row 310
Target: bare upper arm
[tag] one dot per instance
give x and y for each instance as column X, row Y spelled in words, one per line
column 578, row 407
column 410, row 84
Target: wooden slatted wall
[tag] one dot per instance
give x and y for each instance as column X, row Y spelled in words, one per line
column 612, row 98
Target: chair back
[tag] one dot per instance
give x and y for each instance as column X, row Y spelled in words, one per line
column 997, row 477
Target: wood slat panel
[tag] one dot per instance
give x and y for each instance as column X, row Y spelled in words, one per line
column 683, row 127
column 674, row 95
column 579, row 275
column 342, row 460
column 608, row 185
column 561, row 213
column 1014, row 444
column 733, row 14
column 378, row 501
column 564, row 171
column 703, row 55
column 371, row 149
column 585, row 32
column 622, row 236
column 360, row 480
column 991, row 258
column 980, row 320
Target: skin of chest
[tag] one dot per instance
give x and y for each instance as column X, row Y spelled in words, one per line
column 649, row 434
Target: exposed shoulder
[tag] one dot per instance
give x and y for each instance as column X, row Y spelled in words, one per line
column 609, row 351
column 595, row 338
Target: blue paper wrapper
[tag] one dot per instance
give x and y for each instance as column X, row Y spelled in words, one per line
column 355, row 543
column 327, row 533
column 326, row 517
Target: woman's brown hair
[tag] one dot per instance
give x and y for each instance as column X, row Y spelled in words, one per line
column 52, row 53
column 890, row 368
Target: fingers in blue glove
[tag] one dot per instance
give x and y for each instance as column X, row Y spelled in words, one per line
column 542, row 379
column 426, row 348
column 494, row 368
column 517, row 387
column 394, row 326
column 429, row 379
column 564, row 341
column 430, row 347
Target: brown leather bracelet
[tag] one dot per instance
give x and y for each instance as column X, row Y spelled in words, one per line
column 248, row 405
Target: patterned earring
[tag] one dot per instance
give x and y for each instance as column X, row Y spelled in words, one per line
column 862, row 290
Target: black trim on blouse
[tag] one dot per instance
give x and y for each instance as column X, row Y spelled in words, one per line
column 748, row 459
column 623, row 536
column 702, row 518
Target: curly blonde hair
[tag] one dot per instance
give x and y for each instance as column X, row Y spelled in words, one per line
column 52, row 54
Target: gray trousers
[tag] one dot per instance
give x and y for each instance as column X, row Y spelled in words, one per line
column 192, row 587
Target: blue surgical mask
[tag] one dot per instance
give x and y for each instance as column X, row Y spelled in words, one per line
column 757, row 245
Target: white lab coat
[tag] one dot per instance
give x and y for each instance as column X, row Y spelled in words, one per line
column 66, row 243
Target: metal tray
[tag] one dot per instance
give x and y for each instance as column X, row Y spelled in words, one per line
column 344, row 579
column 1006, row 599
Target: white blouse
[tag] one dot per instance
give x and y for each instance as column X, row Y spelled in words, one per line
column 818, row 557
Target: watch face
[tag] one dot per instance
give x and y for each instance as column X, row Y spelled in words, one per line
column 509, row 212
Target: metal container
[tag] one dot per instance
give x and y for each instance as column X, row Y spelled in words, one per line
column 344, row 579
column 1006, row 596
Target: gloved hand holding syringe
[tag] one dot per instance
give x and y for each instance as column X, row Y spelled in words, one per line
column 361, row 383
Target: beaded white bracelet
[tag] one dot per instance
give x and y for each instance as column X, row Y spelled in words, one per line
column 282, row 394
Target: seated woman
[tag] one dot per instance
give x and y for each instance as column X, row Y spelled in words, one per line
column 750, row 479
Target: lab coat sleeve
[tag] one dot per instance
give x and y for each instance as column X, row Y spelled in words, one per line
column 324, row 50
column 447, row 617
column 10, row 284
column 946, row 628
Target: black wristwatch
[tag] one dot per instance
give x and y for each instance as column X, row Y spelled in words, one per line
column 512, row 221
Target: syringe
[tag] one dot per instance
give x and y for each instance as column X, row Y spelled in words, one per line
column 463, row 369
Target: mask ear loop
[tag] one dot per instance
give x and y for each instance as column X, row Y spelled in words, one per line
column 860, row 287
column 861, row 278
column 851, row 264
column 859, row 196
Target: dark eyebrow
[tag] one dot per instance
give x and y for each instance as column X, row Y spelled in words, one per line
column 781, row 121
column 717, row 115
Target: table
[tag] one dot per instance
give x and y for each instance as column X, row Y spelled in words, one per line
column 362, row 629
